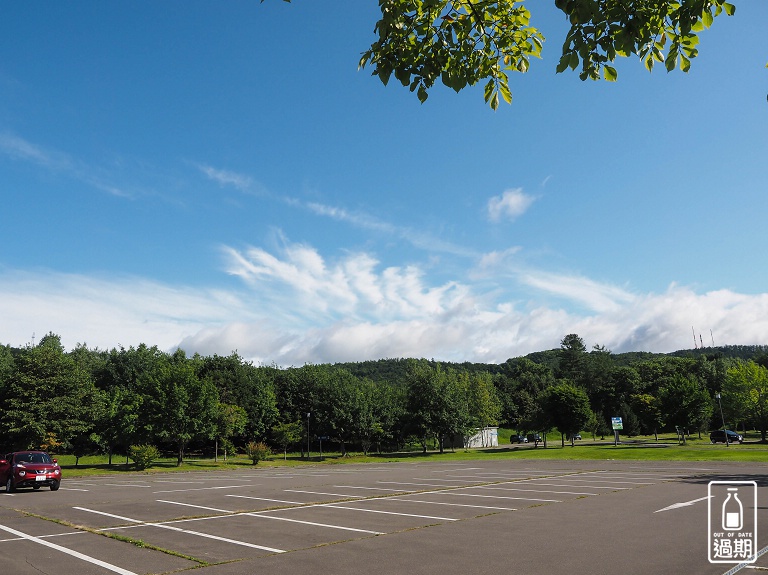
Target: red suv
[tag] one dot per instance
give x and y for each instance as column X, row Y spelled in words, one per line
column 29, row 469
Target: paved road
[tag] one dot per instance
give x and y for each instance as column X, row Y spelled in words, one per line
column 479, row 517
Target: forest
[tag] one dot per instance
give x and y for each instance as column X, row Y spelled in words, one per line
column 88, row 401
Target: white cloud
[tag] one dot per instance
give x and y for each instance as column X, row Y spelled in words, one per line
column 418, row 239
column 595, row 296
column 59, row 162
column 295, row 307
column 21, row 149
column 509, row 205
column 106, row 312
column 352, row 287
column 240, row 182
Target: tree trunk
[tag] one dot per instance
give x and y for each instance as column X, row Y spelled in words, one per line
column 180, row 460
column 216, row 450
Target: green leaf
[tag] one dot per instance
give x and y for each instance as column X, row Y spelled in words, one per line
column 421, row 94
column 730, row 9
column 610, row 74
column 565, row 62
column 707, row 18
column 671, row 60
column 489, row 87
column 574, row 60
column 506, row 93
column 495, row 101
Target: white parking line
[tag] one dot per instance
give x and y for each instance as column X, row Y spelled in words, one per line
column 265, row 499
column 196, row 506
column 463, row 481
column 449, row 504
column 261, row 515
column 78, row 555
column 45, row 536
column 534, row 490
column 199, row 489
column 337, row 506
column 323, row 493
column 454, row 492
column 517, row 471
column 177, row 529
column 406, row 483
column 641, row 474
column 590, row 480
column 570, row 485
column 373, row 488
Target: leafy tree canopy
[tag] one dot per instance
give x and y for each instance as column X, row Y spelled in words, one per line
column 466, row 42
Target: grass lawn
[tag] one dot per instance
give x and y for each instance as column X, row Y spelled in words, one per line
column 636, row 448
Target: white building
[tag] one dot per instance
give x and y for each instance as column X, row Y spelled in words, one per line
column 486, row 437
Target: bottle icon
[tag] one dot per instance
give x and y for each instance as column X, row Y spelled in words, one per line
column 733, row 511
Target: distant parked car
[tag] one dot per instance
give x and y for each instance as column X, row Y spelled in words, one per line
column 29, row 469
column 576, row 436
column 534, row 438
column 519, row 439
column 719, row 436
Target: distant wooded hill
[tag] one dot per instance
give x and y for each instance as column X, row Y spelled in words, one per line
column 392, row 370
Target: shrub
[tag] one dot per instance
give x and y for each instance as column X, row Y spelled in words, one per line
column 143, row 455
column 257, row 451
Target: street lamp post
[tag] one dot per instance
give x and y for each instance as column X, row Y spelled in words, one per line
column 725, row 432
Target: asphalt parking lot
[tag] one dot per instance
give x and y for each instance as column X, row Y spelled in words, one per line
column 500, row 516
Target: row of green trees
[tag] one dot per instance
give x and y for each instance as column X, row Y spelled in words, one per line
column 572, row 390
column 87, row 400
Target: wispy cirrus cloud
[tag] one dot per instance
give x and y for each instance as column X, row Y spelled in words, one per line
column 595, row 296
column 21, row 149
column 56, row 161
column 241, row 182
column 359, row 219
column 509, row 205
column 418, row 239
column 106, row 311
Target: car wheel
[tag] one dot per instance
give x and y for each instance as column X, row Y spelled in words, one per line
column 9, row 487
column 55, row 486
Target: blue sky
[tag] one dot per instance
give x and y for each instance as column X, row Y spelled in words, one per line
column 222, row 177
